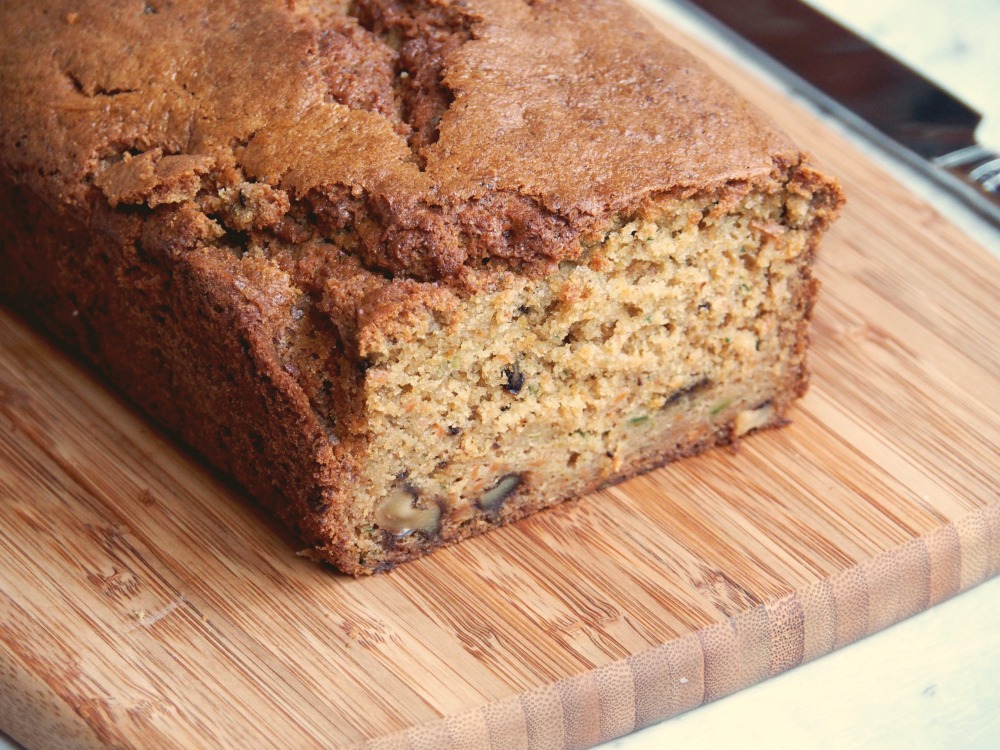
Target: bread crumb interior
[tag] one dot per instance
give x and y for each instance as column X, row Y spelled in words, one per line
column 666, row 322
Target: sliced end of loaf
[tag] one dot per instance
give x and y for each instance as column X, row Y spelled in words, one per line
column 680, row 327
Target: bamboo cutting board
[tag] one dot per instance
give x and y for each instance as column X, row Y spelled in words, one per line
column 145, row 603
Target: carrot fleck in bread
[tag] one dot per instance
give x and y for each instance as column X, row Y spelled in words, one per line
column 407, row 270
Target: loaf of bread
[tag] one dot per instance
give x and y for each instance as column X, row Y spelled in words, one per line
column 406, row 270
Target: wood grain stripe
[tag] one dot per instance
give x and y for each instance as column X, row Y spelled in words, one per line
column 819, row 618
column 544, row 717
column 720, row 648
column 30, row 712
column 851, row 603
column 914, row 579
column 977, row 535
column 944, row 553
column 765, row 641
column 615, row 686
column 786, row 634
column 468, row 731
column 882, row 585
column 753, row 633
column 507, row 724
column 992, row 513
column 669, row 679
column 581, row 717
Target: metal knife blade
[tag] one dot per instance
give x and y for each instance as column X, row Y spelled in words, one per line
column 919, row 121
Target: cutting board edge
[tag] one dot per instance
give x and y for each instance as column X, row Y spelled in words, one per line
column 605, row 703
column 697, row 668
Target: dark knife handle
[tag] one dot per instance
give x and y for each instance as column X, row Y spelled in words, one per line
column 978, row 168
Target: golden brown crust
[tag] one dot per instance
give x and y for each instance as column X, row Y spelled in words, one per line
column 499, row 129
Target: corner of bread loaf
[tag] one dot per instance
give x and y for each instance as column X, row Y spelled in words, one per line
column 681, row 324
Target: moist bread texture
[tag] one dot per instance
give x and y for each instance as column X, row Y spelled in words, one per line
column 407, row 270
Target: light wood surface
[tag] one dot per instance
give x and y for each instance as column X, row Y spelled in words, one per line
column 146, row 603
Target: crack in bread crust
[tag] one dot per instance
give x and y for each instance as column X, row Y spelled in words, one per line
column 402, row 126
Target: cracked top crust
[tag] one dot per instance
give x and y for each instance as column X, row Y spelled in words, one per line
column 425, row 138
